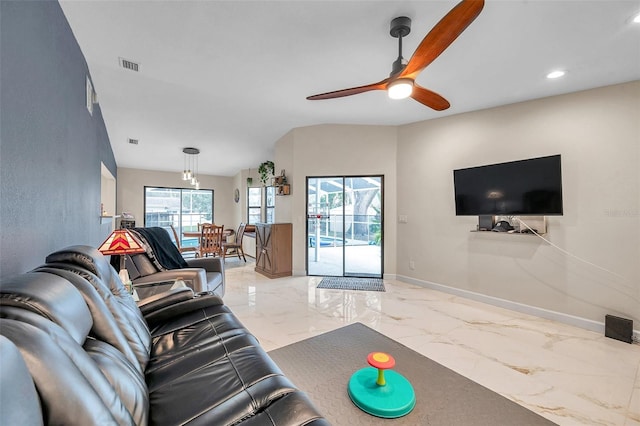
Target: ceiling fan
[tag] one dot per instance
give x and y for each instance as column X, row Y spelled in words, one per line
column 401, row 82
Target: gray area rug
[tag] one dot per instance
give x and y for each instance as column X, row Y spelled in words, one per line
column 322, row 365
column 349, row 283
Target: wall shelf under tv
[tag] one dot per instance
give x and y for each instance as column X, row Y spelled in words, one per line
column 537, row 223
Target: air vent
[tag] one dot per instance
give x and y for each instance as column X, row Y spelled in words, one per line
column 126, row 64
column 133, row 141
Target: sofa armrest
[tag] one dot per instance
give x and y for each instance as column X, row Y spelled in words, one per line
column 195, row 278
column 209, row 264
column 172, row 310
column 162, row 300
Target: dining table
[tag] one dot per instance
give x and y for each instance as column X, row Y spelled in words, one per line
column 196, row 234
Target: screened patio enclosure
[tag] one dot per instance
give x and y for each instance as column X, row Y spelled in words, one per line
column 345, row 226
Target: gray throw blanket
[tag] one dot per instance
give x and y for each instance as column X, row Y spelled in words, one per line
column 159, row 246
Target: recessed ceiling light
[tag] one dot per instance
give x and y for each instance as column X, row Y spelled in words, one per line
column 555, row 74
column 636, row 19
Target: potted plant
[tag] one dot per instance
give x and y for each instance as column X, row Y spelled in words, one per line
column 266, row 170
column 249, row 179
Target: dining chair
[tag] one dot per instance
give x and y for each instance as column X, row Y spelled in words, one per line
column 200, row 225
column 181, row 249
column 237, row 244
column 210, row 240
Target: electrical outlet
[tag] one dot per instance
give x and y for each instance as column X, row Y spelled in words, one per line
column 402, row 218
column 412, row 264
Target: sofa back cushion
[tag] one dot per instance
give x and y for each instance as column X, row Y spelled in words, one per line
column 71, row 387
column 143, row 266
column 105, row 327
column 91, row 265
column 52, row 303
column 90, row 259
column 49, row 296
column 127, row 382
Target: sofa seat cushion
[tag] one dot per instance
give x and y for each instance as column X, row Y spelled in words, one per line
column 195, row 340
column 236, row 380
column 294, row 408
column 217, row 317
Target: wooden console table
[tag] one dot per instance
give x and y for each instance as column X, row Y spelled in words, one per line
column 274, row 249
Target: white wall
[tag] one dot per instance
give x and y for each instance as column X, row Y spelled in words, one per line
column 130, row 193
column 284, row 159
column 597, row 132
column 330, row 150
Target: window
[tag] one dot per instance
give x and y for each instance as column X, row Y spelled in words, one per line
column 261, row 205
column 182, row 208
column 254, row 205
column 270, row 204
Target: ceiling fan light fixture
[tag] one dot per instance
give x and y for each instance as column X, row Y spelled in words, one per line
column 400, row 89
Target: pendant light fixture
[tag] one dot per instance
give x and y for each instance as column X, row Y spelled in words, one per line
column 190, row 166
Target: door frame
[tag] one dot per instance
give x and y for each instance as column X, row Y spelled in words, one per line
column 306, row 224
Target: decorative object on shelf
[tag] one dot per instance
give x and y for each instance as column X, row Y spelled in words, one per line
column 266, row 170
column 520, row 225
column 284, row 189
column 127, row 220
column 280, row 182
column 190, row 170
column 236, row 195
column 121, row 242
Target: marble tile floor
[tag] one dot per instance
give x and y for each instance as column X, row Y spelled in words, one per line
column 569, row 375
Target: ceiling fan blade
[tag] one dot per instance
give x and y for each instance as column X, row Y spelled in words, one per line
column 442, row 35
column 429, row 98
column 381, row 85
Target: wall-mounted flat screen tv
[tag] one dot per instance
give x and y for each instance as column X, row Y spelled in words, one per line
column 530, row 187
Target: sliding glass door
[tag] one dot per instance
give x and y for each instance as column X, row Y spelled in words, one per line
column 344, row 226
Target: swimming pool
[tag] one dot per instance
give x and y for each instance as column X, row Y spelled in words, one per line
column 325, row 241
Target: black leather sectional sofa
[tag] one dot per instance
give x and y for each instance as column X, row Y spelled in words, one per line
column 77, row 350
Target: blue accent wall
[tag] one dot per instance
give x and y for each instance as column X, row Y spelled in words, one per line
column 51, row 148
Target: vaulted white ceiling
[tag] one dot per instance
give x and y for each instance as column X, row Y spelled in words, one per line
column 231, row 77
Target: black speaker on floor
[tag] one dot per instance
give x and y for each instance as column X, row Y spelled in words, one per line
column 618, row 328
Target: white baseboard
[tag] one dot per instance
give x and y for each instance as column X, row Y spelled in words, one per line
column 587, row 324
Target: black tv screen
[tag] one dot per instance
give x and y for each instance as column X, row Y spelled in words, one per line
column 520, row 188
